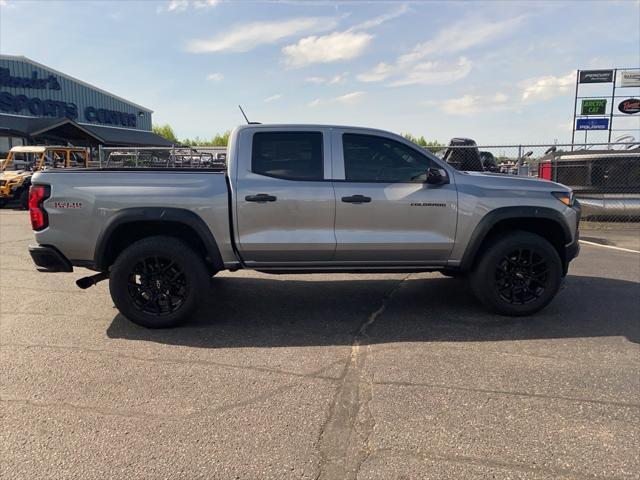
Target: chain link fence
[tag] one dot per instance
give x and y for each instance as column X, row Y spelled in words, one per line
column 604, row 177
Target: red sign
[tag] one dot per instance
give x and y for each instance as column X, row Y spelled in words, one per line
column 629, row 106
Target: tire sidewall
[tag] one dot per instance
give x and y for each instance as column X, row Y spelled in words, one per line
column 484, row 275
column 191, row 264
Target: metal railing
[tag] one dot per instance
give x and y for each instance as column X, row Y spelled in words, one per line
column 161, row 157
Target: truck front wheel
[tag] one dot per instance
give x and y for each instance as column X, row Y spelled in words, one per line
column 518, row 274
column 158, row 282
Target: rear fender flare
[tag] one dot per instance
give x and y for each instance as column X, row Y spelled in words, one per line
column 156, row 214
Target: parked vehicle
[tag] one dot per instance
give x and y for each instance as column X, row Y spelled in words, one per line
column 303, row 199
column 22, row 161
column 607, row 182
column 463, row 154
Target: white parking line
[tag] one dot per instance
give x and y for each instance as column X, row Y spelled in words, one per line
column 609, row 246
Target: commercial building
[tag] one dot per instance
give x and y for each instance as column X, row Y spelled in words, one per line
column 40, row 105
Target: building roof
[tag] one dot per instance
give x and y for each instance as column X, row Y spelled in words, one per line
column 34, row 127
column 126, row 136
column 21, row 58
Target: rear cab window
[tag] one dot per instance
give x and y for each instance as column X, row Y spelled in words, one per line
column 288, row 155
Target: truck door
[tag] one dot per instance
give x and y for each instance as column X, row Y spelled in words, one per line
column 285, row 209
column 385, row 212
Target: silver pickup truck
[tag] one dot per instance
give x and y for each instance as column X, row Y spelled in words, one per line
column 303, row 199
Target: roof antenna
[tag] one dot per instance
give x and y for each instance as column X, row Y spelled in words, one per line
column 245, row 117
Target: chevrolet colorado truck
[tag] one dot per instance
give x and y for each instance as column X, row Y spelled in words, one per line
column 303, row 199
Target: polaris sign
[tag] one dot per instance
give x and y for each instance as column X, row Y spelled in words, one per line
column 592, row 124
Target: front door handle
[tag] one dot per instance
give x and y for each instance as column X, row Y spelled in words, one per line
column 356, row 199
column 261, row 197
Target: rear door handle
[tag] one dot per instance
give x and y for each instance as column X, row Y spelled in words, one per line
column 261, row 197
column 356, row 199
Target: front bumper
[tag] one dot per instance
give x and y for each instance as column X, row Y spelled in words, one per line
column 49, row 259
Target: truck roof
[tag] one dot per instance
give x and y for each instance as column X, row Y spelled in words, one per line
column 307, row 125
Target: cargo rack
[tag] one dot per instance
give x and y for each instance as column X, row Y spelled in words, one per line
column 206, row 158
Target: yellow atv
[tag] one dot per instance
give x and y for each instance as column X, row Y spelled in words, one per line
column 21, row 162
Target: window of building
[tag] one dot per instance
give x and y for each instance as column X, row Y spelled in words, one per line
column 288, row 155
column 5, row 146
column 368, row 158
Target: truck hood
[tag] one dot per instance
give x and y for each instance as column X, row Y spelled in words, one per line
column 498, row 180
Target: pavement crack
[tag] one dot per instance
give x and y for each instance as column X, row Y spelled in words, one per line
column 344, row 439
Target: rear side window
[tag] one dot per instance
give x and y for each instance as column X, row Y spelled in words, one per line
column 288, row 155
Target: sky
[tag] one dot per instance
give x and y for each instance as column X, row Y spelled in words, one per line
column 499, row 72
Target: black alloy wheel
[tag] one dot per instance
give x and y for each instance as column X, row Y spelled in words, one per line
column 157, row 286
column 522, row 276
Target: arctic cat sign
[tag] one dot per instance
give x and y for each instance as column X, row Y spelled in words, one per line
column 594, row 107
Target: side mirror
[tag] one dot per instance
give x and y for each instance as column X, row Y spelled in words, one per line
column 437, row 176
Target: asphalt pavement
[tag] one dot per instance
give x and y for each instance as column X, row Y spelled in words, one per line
column 320, row 376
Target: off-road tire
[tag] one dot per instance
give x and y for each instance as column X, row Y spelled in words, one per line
column 518, row 274
column 150, row 274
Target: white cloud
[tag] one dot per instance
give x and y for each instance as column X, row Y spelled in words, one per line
column 544, row 88
column 350, row 98
column 336, row 79
column 273, row 98
column 182, row 5
column 435, row 73
column 245, row 37
column 377, row 21
column 215, row 77
column 378, row 73
column 412, row 69
column 459, row 37
column 334, row 47
column 346, row 99
column 471, row 104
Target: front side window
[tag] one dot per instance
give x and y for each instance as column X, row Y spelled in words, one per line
column 368, row 158
column 288, row 155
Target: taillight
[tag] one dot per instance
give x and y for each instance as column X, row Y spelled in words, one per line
column 37, row 195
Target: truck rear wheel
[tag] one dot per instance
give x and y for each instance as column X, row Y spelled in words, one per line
column 518, row 274
column 158, row 282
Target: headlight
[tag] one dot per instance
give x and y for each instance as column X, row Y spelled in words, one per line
column 565, row 197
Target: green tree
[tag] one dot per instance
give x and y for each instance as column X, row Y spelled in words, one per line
column 218, row 140
column 433, row 145
column 165, row 131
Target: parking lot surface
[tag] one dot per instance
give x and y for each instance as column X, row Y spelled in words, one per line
column 320, row 376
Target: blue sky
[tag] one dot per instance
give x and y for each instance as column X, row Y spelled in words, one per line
column 499, row 72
